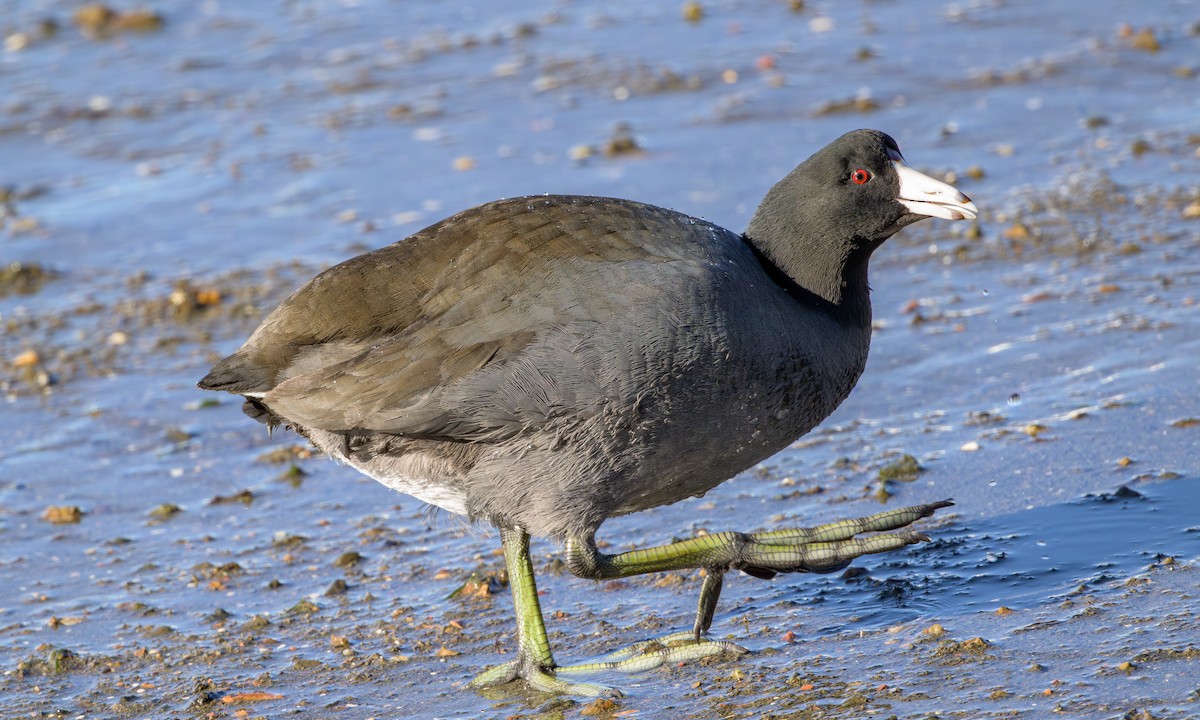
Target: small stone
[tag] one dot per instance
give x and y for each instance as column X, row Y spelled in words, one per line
column 1033, row 430
column 304, row 607
column 16, row 42
column 821, row 24
column 164, row 511
column 348, row 559
column 906, row 468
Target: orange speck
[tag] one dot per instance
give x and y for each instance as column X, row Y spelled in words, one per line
column 29, row 358
column 247, row 697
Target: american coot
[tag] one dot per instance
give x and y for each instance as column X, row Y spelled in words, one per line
column 545, row 363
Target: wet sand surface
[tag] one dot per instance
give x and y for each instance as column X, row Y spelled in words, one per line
column 165, row 180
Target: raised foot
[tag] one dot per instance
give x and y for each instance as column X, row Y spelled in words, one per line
column 831, row 547
column 639, row 657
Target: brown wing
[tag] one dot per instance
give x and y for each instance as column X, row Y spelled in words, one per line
column 395, row 340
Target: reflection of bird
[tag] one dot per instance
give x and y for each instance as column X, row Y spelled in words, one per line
column 546, row 363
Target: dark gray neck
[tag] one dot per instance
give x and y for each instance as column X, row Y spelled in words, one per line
column 829, row 273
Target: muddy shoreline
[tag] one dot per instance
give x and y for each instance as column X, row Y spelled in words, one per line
column 167, row 177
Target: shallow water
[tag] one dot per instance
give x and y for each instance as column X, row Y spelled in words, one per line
column 1033, row 371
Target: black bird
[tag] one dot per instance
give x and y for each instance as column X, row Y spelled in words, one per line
column 546, row 363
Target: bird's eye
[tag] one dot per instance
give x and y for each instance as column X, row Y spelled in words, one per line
column 860, row 176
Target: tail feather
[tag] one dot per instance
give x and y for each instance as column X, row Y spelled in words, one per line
column 233, row 374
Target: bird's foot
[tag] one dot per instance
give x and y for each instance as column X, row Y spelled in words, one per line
column 539, row 678
column 670, row 649
column 831, row 547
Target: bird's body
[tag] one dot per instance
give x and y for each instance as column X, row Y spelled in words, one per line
column 616, row 370
column 545, row 363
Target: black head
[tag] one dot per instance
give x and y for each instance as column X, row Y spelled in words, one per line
column 826, row 217
column 859, row 188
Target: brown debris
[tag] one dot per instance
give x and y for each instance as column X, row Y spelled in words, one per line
column 861, row 104
column 600, row 707
column 934, row 630
column 29, row 358
column 23, row 278
column 98, row 20
column 62, row 514
column 622, row 142
column 1143, row 39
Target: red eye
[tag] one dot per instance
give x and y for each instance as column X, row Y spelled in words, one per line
column 860, row 176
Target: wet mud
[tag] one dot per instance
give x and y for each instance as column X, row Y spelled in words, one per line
column 169, row 172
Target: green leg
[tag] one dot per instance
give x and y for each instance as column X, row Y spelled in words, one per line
column 534, row 662
column 821, row 549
